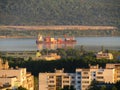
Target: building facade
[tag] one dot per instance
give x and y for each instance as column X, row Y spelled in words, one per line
column 15, row 77
column 55, row 81
column 102, row 55
column 49, row 57
column 84, row 77
column 81, row 79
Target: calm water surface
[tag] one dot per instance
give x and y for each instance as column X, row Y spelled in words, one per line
column 87, row 42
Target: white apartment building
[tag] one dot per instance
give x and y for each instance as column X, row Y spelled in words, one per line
column 55, row 81
column 84, row 77
column 15, row 77
column 81, row 79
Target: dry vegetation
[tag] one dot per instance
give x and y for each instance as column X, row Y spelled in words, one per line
column 63, row 27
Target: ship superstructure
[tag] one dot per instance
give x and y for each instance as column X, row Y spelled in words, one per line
column 52, row 40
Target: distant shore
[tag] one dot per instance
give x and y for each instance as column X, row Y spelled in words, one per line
column 4, row 37
column 31, row 37
column 60, row 27
column 32, row 31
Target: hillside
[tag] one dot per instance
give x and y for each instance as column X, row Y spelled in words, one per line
column 60, row 12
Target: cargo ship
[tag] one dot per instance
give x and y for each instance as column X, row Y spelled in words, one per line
column 51, row 40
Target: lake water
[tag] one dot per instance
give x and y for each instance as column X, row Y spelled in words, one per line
column 89, row 43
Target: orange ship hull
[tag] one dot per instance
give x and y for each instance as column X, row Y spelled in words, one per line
column 57, row 42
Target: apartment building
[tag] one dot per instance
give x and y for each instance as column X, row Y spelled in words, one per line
column 117, row 71
column 49, row 57
column 55, row 81
column 102, row 55
column 13, row 78
column 81, row 79
column 84, row 77
column 3, row 65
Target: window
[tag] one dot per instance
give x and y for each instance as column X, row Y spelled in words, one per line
column 51, row 85
column 100, row 72
column 85, row 81
column 85, row 72
column 73, row 82
column 73, row 77
column 65, row 81
column 79, row 73
column 51, row 81
column 100, row 77
column 66, row 76
column 78, row 77
column 78, row 81
column 85, row 77
column 51, row 76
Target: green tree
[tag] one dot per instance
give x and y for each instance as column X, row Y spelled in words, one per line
column 114, row 88
column 103, row 87
column 36, row 83
column 68, row 88
column 21, row 88
column 59, row 12
column 117, row 84
column 93, row 85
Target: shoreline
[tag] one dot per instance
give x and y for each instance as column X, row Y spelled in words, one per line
column 16, row 37
column 59, row 27
column 32, row 37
